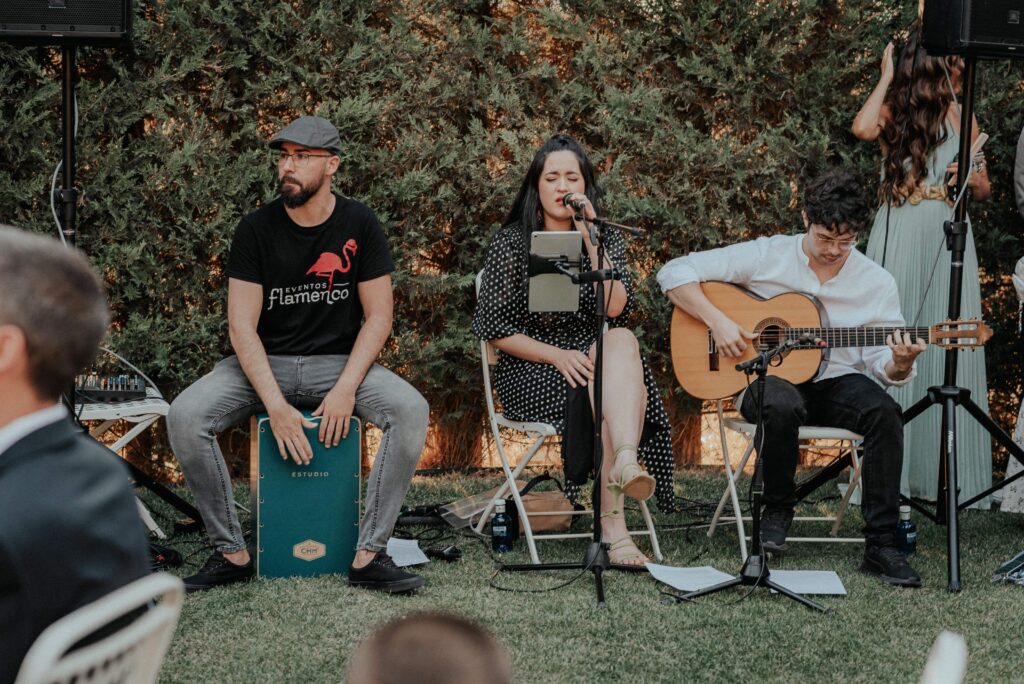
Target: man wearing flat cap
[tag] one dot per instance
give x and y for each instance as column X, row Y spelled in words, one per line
column 309, row 309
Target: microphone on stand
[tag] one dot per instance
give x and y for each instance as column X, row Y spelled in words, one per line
column 766, row 356
column 574, row 201
column 579, row 204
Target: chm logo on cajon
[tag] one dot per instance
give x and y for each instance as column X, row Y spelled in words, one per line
column 309, row 550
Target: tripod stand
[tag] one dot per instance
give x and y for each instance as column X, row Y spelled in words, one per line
column 949, row 395
column 595, row 558
column 754, row 572
column 67, row 196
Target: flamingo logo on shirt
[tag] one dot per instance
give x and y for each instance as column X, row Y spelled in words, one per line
column 329, row 262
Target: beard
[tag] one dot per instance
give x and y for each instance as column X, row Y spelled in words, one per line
column 295, row 194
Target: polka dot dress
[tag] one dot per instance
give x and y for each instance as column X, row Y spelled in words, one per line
column 537, row 392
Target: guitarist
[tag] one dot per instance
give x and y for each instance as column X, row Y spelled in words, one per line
column 855, row 291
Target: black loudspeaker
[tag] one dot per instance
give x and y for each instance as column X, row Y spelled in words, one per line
column 82, row 22
column 983, row 28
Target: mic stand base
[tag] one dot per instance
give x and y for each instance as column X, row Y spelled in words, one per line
column 595, row 559
column 754, row 573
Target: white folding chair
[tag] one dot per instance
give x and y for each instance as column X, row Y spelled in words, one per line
column 131, row 655
column 539, row 433
column 845, row 443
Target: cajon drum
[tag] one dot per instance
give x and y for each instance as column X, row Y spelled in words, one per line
column 305, row 517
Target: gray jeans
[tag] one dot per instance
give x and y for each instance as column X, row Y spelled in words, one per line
column 223, row 398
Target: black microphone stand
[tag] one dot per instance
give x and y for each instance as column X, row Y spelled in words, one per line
column 949, row 395
column 67, row 194
column 67, row 197
column 754, row 572
column 595, row 558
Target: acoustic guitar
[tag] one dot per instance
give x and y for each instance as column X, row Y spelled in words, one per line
column 707, row 374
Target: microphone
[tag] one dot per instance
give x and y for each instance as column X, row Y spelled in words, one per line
column 579, row 204
column 574, row 201
column 781, row 348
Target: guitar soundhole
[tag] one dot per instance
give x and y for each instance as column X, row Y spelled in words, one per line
column 770, row 335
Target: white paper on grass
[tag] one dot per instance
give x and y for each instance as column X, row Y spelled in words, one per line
column 819, row 582
column 687, row 579
column 406, row 552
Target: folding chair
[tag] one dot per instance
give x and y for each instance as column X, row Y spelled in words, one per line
column 847, row 446
column 539, row 433
column 131, row 655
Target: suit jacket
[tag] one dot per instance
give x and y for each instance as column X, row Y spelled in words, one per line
column 70, row 533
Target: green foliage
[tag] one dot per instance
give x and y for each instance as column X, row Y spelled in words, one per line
column 704, row 119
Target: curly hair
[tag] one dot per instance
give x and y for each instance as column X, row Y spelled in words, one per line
column 918, row 101
column 836, row 200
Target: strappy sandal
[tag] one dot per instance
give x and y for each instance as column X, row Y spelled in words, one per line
column 630, row 478
column 624, row 551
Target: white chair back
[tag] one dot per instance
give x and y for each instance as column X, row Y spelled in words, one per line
column 131, row 655
column 844, row 442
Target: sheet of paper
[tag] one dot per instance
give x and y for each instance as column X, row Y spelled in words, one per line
column 687, row 579
column 820, row 582
column 406, row 552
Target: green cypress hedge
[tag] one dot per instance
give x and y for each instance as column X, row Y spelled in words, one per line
column 704, row 118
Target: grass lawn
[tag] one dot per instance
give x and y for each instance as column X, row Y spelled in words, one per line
column 305, row 630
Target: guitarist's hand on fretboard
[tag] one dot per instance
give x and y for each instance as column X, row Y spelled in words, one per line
column 904, row 351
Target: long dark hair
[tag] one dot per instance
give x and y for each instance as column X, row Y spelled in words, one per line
column 918, row 102
column 525, row 208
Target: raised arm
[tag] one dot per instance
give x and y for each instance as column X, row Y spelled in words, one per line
column 871, row 118
column 245, row 303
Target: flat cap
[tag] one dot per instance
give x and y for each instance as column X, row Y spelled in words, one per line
column 309, row 131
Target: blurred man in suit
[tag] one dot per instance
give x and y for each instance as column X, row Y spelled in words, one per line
column 70, row 530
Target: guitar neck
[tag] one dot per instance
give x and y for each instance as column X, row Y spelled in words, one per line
column 856, row 337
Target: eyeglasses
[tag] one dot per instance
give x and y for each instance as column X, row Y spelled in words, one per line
column 299, row 159
column 845, row 245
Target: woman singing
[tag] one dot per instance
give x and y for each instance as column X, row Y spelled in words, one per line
column 547, row 360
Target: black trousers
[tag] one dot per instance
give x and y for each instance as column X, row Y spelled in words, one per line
column 853, row 402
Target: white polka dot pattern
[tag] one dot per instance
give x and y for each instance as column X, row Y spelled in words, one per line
column 537, row 391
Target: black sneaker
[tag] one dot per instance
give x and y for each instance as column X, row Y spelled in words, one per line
column 217, row 572
column 889, row 565
column 775, row 522
column 381, row 574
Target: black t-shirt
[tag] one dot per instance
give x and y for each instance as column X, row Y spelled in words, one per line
column 309, row 275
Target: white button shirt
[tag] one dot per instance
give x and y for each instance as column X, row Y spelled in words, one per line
column 861, row 294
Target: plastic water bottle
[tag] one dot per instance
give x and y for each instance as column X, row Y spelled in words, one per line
column 906, row 533
column 501, row 537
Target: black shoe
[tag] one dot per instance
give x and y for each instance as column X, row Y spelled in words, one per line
column 775, row 522
column 217, row 572
column 889, row 565
column 381, row 574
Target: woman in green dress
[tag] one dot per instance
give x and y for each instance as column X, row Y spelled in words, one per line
column 914, row 115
